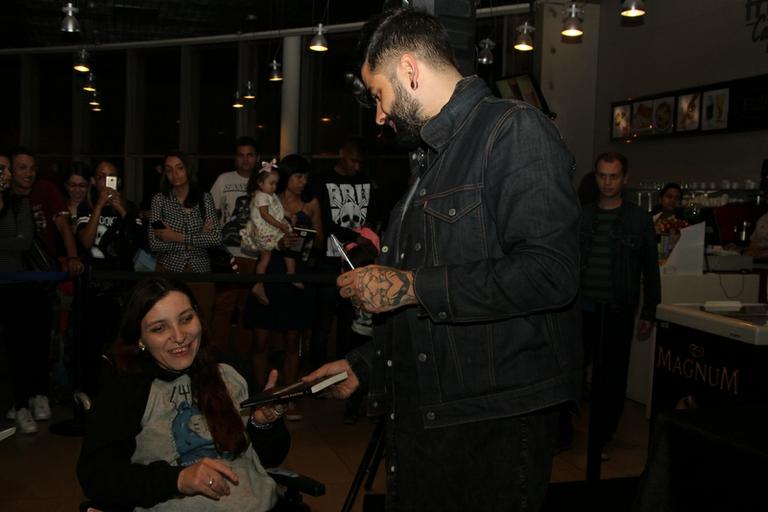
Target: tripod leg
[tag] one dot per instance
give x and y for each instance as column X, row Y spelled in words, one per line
column 373, row 468
column 377, row 438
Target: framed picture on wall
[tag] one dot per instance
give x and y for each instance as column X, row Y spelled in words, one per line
column 524, row 88
column 663, row 115
column 620, row 121
column 642, row 118
column 688, row 112
column 715, row 110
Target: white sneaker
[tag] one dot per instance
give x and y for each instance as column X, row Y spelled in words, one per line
column 11, row 414
column 25, row 421
column 41, row 409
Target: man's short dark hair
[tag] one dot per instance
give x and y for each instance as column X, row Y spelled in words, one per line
column 108, row 162
column 246, row 141
column 20, row 150
column 613, row 156
column 668, row 187
column 354, row 143
column 398, row 31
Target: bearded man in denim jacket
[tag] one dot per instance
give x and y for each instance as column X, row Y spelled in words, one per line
column 476, row 347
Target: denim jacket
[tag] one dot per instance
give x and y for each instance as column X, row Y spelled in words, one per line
column 490, row 230
column 633, row 254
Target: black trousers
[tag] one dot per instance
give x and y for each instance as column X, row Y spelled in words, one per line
column 25, row 314
column 607, row 335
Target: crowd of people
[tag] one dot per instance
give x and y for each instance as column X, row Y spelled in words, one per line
column 84, row 222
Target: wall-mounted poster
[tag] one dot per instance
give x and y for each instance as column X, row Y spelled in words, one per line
column 715, row 113
column 663, row 115
column 524, row 88
column 688, row 112
column 642, row 117
column 620, row 121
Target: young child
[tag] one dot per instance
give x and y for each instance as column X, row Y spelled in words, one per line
column 267, row 224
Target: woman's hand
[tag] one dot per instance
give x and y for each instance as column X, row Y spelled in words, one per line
column 208, row 226
column 208, row 477
column 272, row 412
column 286, row 228
column 167, row 234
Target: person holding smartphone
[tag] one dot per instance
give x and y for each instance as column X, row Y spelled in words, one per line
column 110, row 232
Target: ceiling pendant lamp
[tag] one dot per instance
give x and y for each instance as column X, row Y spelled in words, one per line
column 275, row 75
column 572, row 22
column 90, row 83
column 485, row 55
column 237, row 102
column 524, row 41
column 81, row 61
column 94, row 101
column 633, row 8
column 70, row 23
column 318, row 42
column 250, row 93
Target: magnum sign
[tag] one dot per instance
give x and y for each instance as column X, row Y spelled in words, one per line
column 717, row 377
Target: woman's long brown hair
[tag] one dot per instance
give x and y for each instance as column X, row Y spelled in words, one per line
column 208, row 388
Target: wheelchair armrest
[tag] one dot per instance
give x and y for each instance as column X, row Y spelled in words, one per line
column 296, row 482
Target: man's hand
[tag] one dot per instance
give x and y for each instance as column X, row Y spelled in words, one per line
column 377, row 289
column 644, row 328
column 343, row 389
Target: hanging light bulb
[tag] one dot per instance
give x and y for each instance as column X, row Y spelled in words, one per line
column 318, row 42
column 633, row 8
column 572, row 22
column 81, row 61
column 237, row 102
column 96, row 109
column 90, row 83
column 70, row 23
column 275, row 75
column 94, row 101
column 485, row 55
column 524, row 41
column 250, row 93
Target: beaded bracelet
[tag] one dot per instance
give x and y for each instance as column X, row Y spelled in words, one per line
column 259, row 426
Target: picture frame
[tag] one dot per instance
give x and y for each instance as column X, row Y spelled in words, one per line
column 621, row 121
column 715, row 109
column 642, row 118
column 664, row 115
column 522, row 87
column 688, row 112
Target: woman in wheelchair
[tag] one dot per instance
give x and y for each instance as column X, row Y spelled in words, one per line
column 167, row 433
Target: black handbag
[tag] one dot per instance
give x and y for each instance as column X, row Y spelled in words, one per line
column 36, row 259
column 222, row 261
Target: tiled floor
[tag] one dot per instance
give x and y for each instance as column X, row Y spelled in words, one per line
column 38, row 471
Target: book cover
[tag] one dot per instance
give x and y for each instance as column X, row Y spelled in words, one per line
column 292, row 391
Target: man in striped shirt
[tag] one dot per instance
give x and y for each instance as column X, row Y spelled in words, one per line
column 618, row 255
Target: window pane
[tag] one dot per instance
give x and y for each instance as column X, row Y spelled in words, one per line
column 268, row 102
column 161, row 100
column 218, row 81
column 10, row 87
column 55, row 104
column 108, row 126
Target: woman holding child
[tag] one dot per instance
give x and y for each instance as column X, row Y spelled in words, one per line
column 290, row 309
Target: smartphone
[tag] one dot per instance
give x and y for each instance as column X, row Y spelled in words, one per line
column 158, row 224
column 342, row 251
column 112, row 182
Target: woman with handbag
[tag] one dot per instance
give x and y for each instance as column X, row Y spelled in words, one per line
column 25, row 308
column 183, row 226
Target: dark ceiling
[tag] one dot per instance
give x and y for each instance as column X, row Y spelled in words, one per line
column 35, row 23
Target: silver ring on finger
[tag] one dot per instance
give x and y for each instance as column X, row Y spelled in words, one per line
column 210, row 483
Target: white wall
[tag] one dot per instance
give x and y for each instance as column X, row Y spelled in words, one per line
column 682, row 43
column 569, row 80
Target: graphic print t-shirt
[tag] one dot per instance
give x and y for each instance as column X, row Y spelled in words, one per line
column 231, row 199
column 175, row 431
column 345, row 203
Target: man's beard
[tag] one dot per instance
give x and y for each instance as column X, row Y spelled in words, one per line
column 406, row 116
